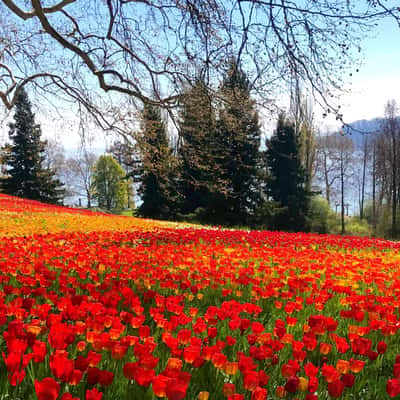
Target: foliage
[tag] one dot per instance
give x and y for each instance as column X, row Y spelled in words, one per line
column 197, row 152
column 358, row 227
column 25, row 157
column 303, row 116
column 157, row 167
column 384, row 226
column 128, row 213
column 354, row 226
column 265, row 215
column 319, row 215
column 238, row 139
column 111, row 190
column 286, row 178
column 219, row 152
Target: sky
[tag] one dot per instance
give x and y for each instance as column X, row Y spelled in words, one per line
column 378, row 79
column 367, row 91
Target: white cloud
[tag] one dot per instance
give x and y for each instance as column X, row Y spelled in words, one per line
column 368, row 97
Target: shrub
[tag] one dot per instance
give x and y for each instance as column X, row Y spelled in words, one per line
column 320, row 217
column 358, row 227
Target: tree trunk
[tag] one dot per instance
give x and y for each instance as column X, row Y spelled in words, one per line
column 374, row 188
column 327, row 187
column 342, row 190
column 363, row 179
column 394, row 186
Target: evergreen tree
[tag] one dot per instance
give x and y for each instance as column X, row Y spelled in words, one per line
column 26, row 175
column 197, row 150
column 111, row 189
column 239, row 138
column 157, row 166
column 286, row 178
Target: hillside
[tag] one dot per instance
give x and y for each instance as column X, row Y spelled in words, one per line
column 20, row 217
column 357, row 130
column 129, row 309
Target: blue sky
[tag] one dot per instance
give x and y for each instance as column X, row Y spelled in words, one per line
column 378, row 79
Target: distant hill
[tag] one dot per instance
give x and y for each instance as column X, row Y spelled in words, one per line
column 357, row 129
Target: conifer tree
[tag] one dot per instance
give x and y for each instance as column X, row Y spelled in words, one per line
column 239, row 136
column 26, row 175
column 197, row 150
column 157, row 166
column 286, row 178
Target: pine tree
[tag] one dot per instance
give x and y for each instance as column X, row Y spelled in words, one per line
column 239, row 136
column 286, row 178
column 197, row 150
column 157, row 167
column 26, row 175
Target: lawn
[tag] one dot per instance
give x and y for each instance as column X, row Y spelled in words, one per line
column 95, row 307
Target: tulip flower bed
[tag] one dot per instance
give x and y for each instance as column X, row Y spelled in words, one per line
column 163, row 312
column 19, row 217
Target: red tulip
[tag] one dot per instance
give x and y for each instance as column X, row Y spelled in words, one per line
column 176, row 390
column 312, row 384
column 393, row 387
column 68, row 396
column 381, row 347
column 228, row 389
column 292, row 384
column 250, row 380
column 47, row 389
column 259, row 394
column 348, row 380
column 159, row 385
column 236, row 396
column 335, row 389
column 93, row 394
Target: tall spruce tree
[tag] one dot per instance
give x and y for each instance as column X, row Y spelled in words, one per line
column 286, row 182
column 26, row 175
column 197, row 150
column 239, row 136
column 157, row 167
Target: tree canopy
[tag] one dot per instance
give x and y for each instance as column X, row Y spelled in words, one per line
column 286, row 181
column 239, row 135
column 111, row 190
column 156, row 166
column 26, row 175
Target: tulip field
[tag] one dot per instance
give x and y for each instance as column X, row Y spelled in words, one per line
column 94, row 306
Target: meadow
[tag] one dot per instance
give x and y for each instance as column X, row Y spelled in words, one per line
column 96, row 307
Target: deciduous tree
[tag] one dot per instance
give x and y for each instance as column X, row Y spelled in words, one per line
column 79, row 169
column 108, row 180
column 389, row 159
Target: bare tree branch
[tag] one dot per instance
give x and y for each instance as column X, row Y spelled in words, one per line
column 30, row 14
column 147, row 50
